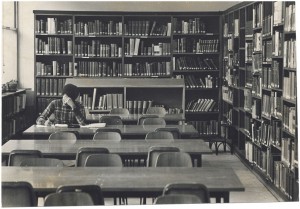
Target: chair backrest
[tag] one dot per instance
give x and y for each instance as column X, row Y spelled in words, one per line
column 200, row 190
column 17, row 156
column 154, row 121
column 103, row 160
column 121, row 111
column 47, row 162
column 173, row 130
column 84, row 152
column 177, row 199
column 174, row 159
column 154, row 151
column 111, row 120
column 143, row 117
column 93, row 190
column 107, row 133
column 18, row 194
column 68, row 199
column 156, row 110
column 70, row 136
column 159, row 135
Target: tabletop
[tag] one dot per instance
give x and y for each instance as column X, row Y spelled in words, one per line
column 128, row 181
column 126, row 130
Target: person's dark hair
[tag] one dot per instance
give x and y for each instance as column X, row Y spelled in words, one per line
column 71, row 91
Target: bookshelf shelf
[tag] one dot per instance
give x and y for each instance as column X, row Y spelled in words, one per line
column 55, row 55
column 147, row 56
column 195, row 71
column 200, row 53
column 98, row 36
column 267, row 31
column 202, row 89
column 53, row 76
column 43, row 34
column 196, row 34
column 97, row 57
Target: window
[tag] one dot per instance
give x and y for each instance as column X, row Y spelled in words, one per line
column 9, row 41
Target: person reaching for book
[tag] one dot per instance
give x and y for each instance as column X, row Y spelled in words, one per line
column 64, row 111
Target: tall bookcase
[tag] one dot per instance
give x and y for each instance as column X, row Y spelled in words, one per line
column 13, row 113
column 259, row 90
column 139, row 47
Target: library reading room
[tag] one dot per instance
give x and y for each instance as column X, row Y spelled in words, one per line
column 144, row 103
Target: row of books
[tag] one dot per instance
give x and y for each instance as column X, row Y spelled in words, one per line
column 210, row 127
column 145, row 28
column 288, row 151
column 227, row 94
column 184, row 45
column 266, row 105
column 267, row 133
column 276, row 105
column 96, row 49
column 198, row 82
column 248, row 27
column 290, row 58
column 257, row 86
column 256, row 109
column 236, row 27
column 270, row 77
column 278, row 12
column 53, row 45
column 276, row 74
column 53, row 25
column 257, row 15
column 247, row 99
column 190, row 26
column 136, row 46
column 148, row 69
column 55, row 68
column 98, row 27
column 249, row 76
column 103, row 102
column 289, row 86
column 267, row 51
column 289, row 118
column 229, row 45
column 257, row 63
column 97, row 69
column 138, row 106
column 13, row 105
column 202, row 105
column 267, row 25
column 228, row 115
column 257, row 42
column 248, row 51
column 277, row 43
column 13, row 126
column 284, row 181
column 194, row 63
column 49, row 86
column 290, row 18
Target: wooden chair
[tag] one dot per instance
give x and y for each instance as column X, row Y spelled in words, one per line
column 107, row 134
column 70, row 136
column 103, row 160
column 47, row 162
column 174, row 159
column 177, row 199
column 68, row 199
column 18, row 194
column 154, row 151
column 84, row 152
column 17, row 156
column 111, row 120
column 154, row 121
column 200, row 190
column 106, row 160
column 163, row 135
column 156, row 110
column 120, row 111
column 93, row 190
column 143, row 117
column 173, row 130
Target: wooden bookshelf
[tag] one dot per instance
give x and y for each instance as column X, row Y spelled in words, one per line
column 140, row 56
column 13, row 113
column 266, row 137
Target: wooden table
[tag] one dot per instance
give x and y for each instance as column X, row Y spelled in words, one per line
column 126, row 181
column 133, row 118
column 128, row 131
column 137, row 149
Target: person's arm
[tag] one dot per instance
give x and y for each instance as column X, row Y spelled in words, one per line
column 80, row 114
column 46, row 114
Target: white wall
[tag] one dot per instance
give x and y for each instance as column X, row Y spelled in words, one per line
column 26, row 22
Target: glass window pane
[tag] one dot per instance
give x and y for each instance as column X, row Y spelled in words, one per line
column 9, row 55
